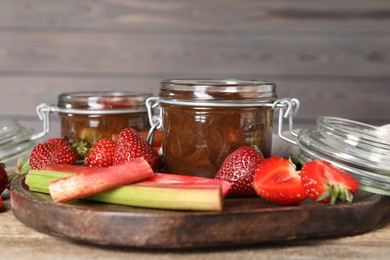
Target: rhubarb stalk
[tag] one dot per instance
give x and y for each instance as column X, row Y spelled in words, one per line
column 176, row 196
column 155, row 178
column 179, row 178
column 102, row 179
column 187, row 196
column 76, row 169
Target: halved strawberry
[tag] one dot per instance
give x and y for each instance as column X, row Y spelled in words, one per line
column 326, row 183
column 239, row 168
column 130, row 145
column 101, row 154
column 277, row 180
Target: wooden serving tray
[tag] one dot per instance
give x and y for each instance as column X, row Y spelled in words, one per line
column 244, row 221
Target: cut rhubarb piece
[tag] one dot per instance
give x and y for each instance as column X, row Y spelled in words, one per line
column 173, row 196
column 178, row 178
column 102, row 179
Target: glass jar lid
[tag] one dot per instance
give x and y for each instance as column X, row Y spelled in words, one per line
column 101, row 102
column 14, row 140
column 358, row 148
column 215, row 92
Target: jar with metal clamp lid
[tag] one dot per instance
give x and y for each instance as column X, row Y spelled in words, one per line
column 204, row 120
column 87, row 116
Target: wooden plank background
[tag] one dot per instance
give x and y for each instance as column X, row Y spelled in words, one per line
column 332, row 55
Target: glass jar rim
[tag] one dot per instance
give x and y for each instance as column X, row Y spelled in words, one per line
column 101, row 102
column 222, row 85
column 95, row 100
column 217, row 92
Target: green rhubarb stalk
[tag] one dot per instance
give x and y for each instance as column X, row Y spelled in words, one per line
column 38, row 180
column 88, row 183
column 176, row 196
column 207, row 197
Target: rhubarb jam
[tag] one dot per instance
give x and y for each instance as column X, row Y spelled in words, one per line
column 87, row 116
column 205, row 120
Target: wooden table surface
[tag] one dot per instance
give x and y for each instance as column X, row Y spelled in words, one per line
column 21, row 242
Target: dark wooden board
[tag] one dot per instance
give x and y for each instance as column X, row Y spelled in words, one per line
column 244, row 221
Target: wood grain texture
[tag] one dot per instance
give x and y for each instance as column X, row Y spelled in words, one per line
column 99, row 55
column 189, row 14
column 334, row 55
column 20, row 240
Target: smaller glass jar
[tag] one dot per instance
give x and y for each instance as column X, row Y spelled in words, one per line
column 360, row 149
column 15, row 141
column 87, row 116
column 204, row 120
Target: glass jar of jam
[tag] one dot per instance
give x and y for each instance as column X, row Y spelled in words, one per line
column 87, row 116
column 204, row 120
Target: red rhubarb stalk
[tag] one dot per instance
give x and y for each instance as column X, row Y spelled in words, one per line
column 92, row 182
column 70, row 168
column 170, row 178
column 156, row 177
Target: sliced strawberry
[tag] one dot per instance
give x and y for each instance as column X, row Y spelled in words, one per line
column 131, row 145
column 101, row 154
column 326, row 183
column 48, row 153
column 239, row 169
column 277, row 180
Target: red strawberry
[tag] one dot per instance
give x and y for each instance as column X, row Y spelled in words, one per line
column 48, row 153
column 326, row 183
column 157, row 139
column 130, row 145
column 277, row 180
column 3, row 178
column 64, row 143
column 58, row 141
column 101, row 154
column 239, row 168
